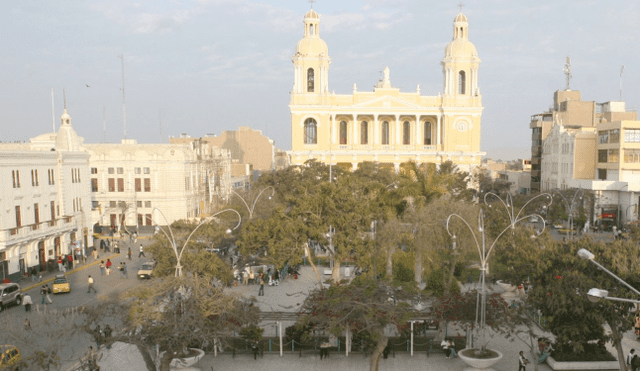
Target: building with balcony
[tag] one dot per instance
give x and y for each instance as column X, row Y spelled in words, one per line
column 385, row 125
column 45, row 200
column 135, row 186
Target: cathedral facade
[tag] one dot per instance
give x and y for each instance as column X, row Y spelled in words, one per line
column 385, row 125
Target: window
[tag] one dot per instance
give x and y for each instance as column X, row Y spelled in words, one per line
column 34, row 178
column 18, row 217
column 602, row 155
column 147, row 204
column 427, row 133
column 95, row 204
column 364, row 132
column 602, row 174
column 113, row 204
column 406, row 133
column 136, row 170
column 94, row 185
column 146, row 170
column 138, row 184
column 148, row 217
column 343, row 132
column 36, row 214
column 614, row 155
column 111, row 170
column 632, row 135
column 15, row 174
column 112, row 185
column 632, row 155
column 138, row 203
column 120, row 170
column 603, row 136
column 310, row 131
column 310, row 80
column 385, row 133
column 614, row 136
column 140, row 220
column 147, row 184
column 52, row 177
column 53, row 213
column 120, row 184
column 94, row 170
column 462, row 82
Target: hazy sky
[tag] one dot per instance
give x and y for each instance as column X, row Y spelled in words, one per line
column 205, row 66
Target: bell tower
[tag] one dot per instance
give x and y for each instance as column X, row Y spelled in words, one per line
column 460, row 63
column 311, row 61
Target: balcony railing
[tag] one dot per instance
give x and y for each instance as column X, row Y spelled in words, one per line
column 37, row 228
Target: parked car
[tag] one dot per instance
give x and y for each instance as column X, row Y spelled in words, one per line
column 61, row 284
column 10, row 293
column 9, row 357
column 146, row 269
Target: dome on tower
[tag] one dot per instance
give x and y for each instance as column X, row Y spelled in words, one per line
column 461, row 18
column 460, row 46
column 311, row 14
column 67, row 138
column 312, row 46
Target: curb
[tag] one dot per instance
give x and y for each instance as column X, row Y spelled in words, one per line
column 75, row 270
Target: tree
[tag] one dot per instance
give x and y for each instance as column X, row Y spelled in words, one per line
column 173, row 313
column 361, row 307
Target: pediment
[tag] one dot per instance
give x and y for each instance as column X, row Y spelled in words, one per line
column 387, row 101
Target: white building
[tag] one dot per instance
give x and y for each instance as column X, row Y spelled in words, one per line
column 45, row 199
column 135, row 186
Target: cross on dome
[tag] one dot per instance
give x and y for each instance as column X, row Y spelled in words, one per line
column 461, row 5
column 311, row 2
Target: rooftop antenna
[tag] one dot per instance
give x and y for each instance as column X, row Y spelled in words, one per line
column 104, row 124
column 64, row 98
column 621, row 70
column 124, row 111
column 311, row 2
column 53, row 113
column 567, row 71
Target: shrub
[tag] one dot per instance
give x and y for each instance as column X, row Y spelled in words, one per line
column 252, row 333
column 436, row 286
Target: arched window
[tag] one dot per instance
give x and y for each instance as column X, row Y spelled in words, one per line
column 406, row 133
column 312, row 32
column 310, row 80
column 427, row 133
column 343, row 132
column 385, row 132
column 310, row 131
column 462, row 82
column 364, row 132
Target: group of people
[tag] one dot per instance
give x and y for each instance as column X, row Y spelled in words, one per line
column 65, row 262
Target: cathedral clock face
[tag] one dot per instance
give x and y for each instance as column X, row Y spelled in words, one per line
column 462, row 126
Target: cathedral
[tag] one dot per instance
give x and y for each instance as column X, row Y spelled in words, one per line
column 385, row 125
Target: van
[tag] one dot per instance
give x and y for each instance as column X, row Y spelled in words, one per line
column 10, row 293
column 10, row 358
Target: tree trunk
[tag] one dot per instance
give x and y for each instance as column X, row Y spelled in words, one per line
column 418, row 267
column 335, row 274
column 313, row 266
column 165, row 363
column 452, row 269
column 390, row 252
column 377, row 352
column 615, row 334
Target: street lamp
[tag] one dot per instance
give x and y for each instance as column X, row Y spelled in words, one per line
column 570, row 205
column 594, row 295
column 253, row 205
column 484, row 252
column 172, row 239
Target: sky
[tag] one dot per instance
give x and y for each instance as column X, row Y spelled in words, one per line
column 204, row 66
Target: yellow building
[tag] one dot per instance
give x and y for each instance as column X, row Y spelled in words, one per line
column 385, row 125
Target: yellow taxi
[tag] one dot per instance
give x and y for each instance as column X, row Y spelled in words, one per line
column 10, row 358
column 61, row 284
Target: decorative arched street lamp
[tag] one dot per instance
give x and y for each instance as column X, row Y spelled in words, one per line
column 485, row 253
column 253, row 205
column 172, row 239
column 571, row 206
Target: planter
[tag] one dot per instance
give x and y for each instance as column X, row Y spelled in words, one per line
column 596, row 365
column 510, row 290
column 478, row 363
column 187, row 362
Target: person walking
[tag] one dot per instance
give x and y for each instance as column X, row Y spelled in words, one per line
column 245, row 277
column 141, row 251
column 70, row 258
column 102, row 268
column 121, row 269
column 630, row 356
column 26, row 301
column 47, row 293
column 60, row 263
column 43, row 292
column 522, row 362
column 90, row 281
column 34, row 274
column 27, row 324
column 129, row 253
column 124, row 270
column 94, row 253
column 261, row 291
column 108, row 266
column 635, row 363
